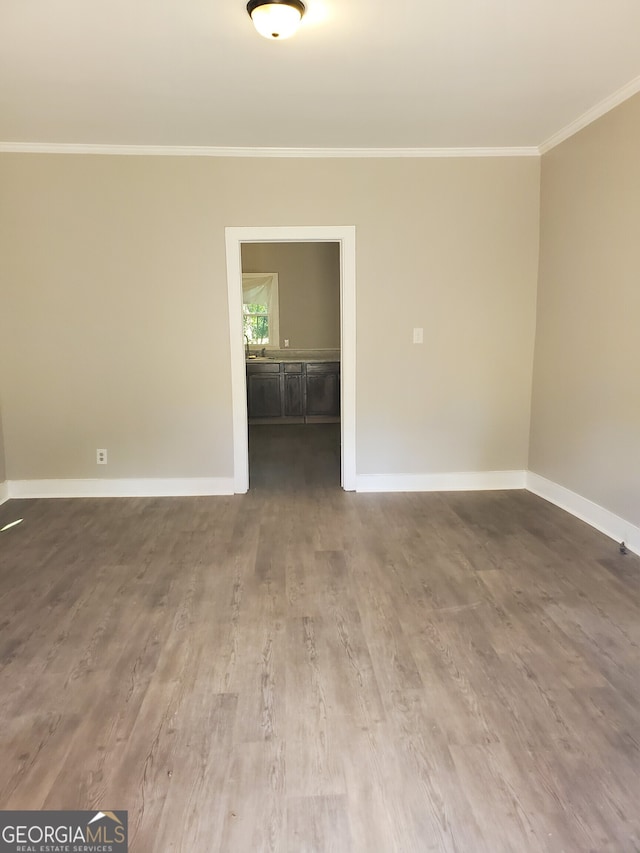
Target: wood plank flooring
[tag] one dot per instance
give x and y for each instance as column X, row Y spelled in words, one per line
column 302, row 669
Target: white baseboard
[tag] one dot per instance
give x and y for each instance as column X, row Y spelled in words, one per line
column 601, row 519
column 594, row 514
column 146, row 488
column 451, row 482
column 598, row 517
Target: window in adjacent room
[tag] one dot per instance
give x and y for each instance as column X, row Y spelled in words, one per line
column 260, row 309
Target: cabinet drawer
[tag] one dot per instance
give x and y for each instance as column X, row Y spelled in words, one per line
column 292, row 366
column 264, row 367
column 323, row 367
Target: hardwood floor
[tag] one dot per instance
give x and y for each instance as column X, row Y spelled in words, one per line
column 302, row 669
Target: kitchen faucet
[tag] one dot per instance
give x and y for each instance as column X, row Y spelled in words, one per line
column 247, row 351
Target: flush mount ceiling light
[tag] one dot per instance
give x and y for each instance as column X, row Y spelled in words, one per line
column 276, row 19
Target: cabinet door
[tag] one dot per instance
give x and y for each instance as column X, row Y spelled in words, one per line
column 293, row 397
column 323, row 394
column 264, row 398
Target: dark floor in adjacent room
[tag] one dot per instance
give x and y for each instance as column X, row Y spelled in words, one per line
column 302, row 669
column 296, row 456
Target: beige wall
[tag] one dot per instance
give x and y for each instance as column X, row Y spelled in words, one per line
column 114, row 329
column 308, row 289
column 586, row 399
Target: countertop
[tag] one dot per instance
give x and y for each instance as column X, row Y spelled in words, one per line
column 297, row 355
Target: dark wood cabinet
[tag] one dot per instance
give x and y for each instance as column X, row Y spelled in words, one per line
column 293, row 392
column 323, row 390
column 264, row 391
column 293, row 396
column 264, row 397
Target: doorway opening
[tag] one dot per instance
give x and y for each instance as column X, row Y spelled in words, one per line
column 241, row 346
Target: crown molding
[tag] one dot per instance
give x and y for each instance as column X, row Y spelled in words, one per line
column 623, row 94
column 210, row 151
column 628, row 91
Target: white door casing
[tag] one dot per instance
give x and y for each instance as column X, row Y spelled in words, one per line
column 345, row 235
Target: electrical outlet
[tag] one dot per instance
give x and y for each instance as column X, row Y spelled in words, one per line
column 101, row 457
column 286, row 342
column 418, row 336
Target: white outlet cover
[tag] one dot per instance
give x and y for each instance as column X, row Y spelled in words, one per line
column 418, row 336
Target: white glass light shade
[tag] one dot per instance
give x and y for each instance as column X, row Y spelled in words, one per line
column 276, row 20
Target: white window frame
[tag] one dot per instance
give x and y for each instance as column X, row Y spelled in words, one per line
column 274, row 307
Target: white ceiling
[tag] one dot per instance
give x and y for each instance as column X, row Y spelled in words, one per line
column 359, row 74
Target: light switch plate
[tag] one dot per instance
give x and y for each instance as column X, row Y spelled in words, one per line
column 418, row 336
